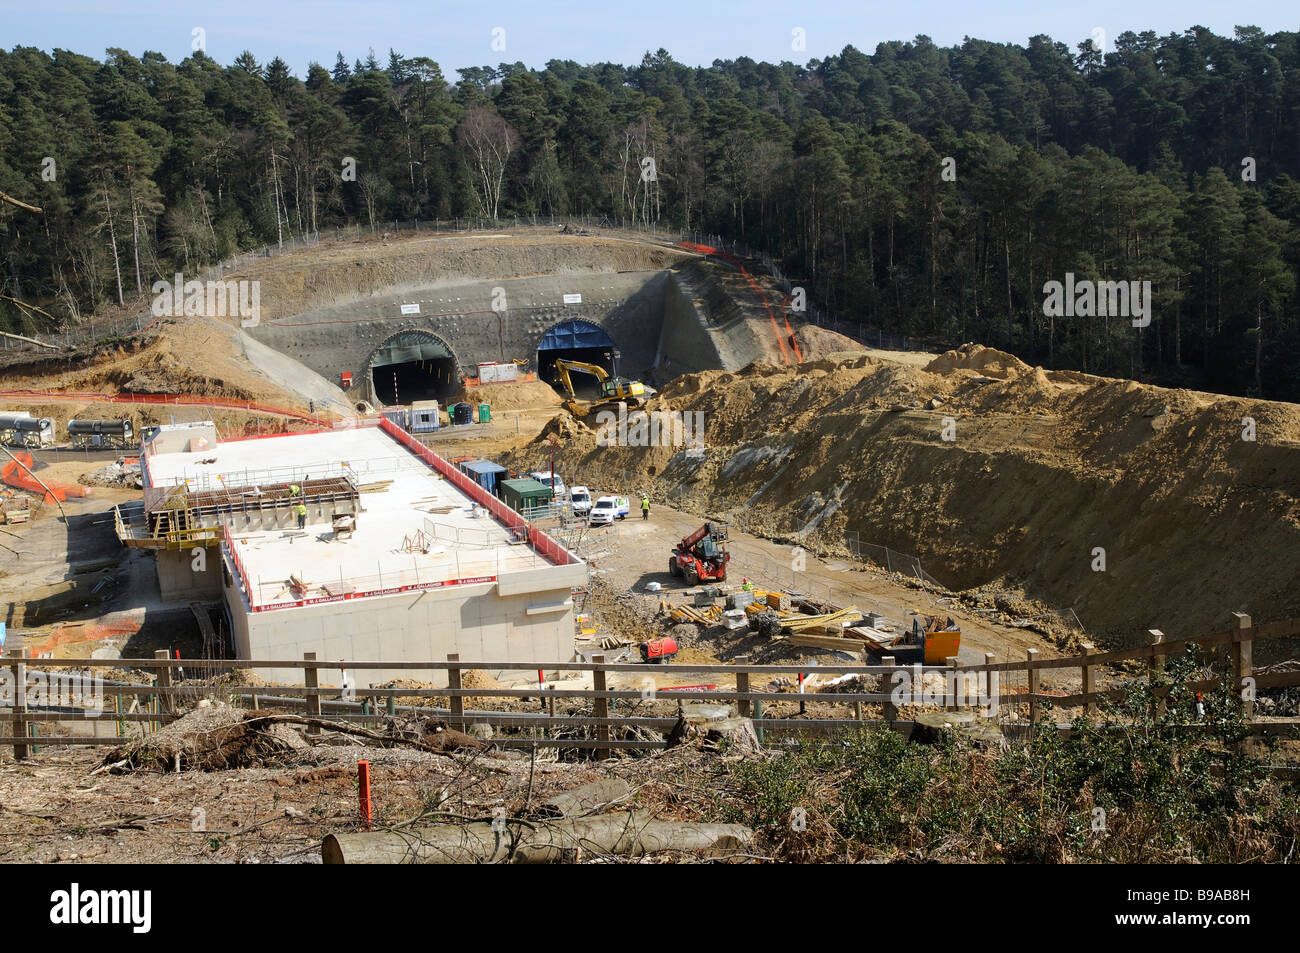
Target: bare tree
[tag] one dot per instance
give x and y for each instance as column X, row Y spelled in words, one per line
column 489, row 139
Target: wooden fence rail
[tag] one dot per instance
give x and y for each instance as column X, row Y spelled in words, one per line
column 972, row 686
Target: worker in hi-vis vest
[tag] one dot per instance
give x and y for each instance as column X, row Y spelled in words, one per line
column 645, row 507
column 295, row 489
column 301, row 510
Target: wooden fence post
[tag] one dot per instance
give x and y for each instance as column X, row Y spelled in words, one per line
column 19, row 724
column 1156, row 667
column 311, row 681
column 742, row 686
column 1243, row 667
column 1031, row 677
column 163, row 681
column 601, row 707
column 889, row 709
column 457, row 718
column 1089, row 678
column 1243, row 662
column 1156, row 663
column 953, row 675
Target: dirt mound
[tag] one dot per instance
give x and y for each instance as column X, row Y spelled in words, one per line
column 997, row 474
column 477, row 678
column 975, row 357
column 193, row 356
column 121, row 476
column 515, row 395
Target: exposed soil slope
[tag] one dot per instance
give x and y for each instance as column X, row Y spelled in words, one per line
column 1043, row 469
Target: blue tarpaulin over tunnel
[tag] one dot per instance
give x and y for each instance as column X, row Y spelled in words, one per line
column 574, row 334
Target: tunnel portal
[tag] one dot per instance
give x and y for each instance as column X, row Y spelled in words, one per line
column 414, row 365
column 575, row 341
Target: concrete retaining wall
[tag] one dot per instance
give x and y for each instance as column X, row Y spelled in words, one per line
column 474, row 621
column 685, row 344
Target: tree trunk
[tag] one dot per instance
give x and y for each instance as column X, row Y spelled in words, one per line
column 112, row 240
column 275, row 199
column 626, row 834
column 135, row 239
column 1259, row 348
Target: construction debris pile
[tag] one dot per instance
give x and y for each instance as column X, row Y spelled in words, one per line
column 123, row 474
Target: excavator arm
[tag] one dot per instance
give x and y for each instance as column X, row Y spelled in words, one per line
column 595, row 370
column 616, row 388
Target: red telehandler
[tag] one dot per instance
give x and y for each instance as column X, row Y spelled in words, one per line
column 702, row 556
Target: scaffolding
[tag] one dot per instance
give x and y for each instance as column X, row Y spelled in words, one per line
column 181, row 516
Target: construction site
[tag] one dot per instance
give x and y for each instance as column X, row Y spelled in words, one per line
column 285, row 552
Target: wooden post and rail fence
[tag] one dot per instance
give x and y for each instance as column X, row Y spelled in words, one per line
column 971, row 686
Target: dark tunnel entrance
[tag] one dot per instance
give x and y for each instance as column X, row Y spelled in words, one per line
column 575, row 341
column 414, row 366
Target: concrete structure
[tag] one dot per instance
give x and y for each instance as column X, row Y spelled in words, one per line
column 176, row 438
column 445, row 332
column 433, row 564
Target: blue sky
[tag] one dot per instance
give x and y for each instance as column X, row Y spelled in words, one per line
column 461, row 34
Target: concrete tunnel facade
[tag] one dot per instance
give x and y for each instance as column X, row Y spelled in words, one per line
column 646, row 315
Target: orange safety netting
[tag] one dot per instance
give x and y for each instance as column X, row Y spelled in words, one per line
column 13, row 473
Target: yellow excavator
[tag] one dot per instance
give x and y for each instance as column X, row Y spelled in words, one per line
column 613, row 390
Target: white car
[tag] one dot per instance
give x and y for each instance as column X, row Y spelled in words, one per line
column 580, row 500
column 608, row 509
column 547, row 478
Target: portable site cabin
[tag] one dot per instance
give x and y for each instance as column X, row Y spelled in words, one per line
column 425, row 416
column 21, row 429
column 101, row 433
column 398, row 416
column 524, row 495
column 485, row 473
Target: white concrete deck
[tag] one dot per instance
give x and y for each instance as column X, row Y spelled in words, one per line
column 461, row 547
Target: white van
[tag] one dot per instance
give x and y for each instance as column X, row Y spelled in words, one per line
column 580, row 499
column 546, row 477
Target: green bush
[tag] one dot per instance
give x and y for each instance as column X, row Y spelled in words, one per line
column 1149, row 780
